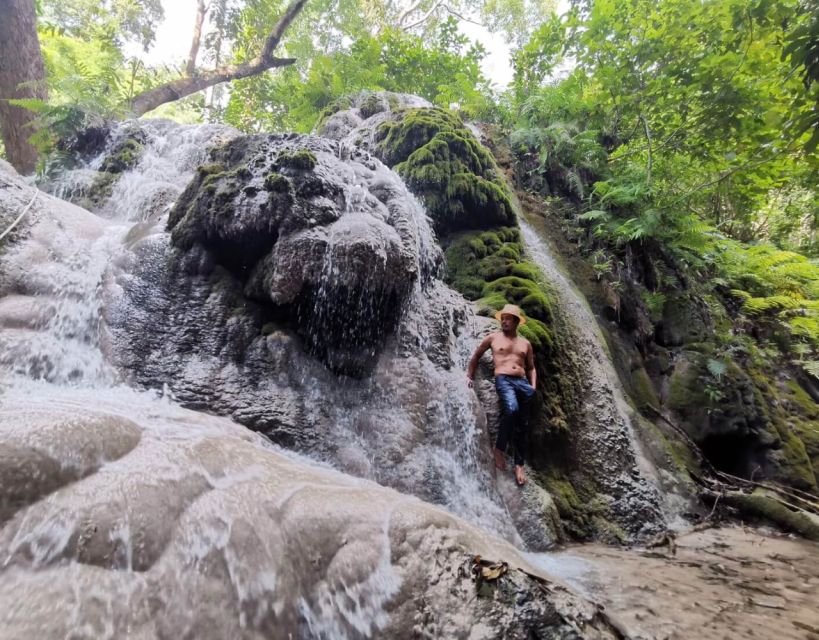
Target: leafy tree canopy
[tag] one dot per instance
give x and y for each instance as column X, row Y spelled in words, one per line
column 118, row 20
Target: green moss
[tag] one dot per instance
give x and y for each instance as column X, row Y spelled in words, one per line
column 685, row 392
column 538, row 334
column 210, row 168
column 301, row 159
column 268, row 328
column 212, row 191
column 371, row 105
column 447, row 167
column 523, row 292
column 123, row 156
column 333, row 108
column 641, row 389
column 799, row 396
column 794, row 465
column 526, row 270
column 607, row 531
column 584, row 515
column 276, row 182
column 760, row 504
column 804, row 420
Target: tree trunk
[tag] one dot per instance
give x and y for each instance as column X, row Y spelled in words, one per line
column 20, row 62
column 201, row 10
column 186, row 85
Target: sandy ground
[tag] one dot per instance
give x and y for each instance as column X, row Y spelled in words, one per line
column 729, row 582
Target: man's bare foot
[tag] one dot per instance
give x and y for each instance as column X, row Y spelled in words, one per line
column 500, row 459
column 520, row 476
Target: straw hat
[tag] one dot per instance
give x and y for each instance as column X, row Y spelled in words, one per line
column 511, row 310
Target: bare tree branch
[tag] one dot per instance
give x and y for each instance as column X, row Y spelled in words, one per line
column 426, row 17
column 189, row 84
column 430, row 13
column 406, row 14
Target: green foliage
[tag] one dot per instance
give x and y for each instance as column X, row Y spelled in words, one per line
column 444, row 68
column 716, row 368
column 89, row 81
column 779, row 289
column 85, row 87
column 112, row 20
column 802, row 49
column 654, row 301
column 692, row 95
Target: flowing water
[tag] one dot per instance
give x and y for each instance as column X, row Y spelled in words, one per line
column 124, row 514
column 606, row 433
column 55, row 331
column 125, row 479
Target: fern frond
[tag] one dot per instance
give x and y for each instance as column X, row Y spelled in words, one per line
column 594, row 215
column 716, row 368
column 812, row 367
column 575, row 183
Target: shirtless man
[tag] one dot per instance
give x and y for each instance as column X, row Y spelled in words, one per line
column 515, row 381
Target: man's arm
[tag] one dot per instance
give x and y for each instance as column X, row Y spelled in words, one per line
column 531, row 372
column 473, row 361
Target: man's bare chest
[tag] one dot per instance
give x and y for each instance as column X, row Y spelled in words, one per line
column 505, row 348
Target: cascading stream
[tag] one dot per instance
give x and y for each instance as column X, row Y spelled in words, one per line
column 159, row 491
column 71, row 342
column 606, row 434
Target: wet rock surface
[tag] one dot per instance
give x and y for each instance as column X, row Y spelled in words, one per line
column 727, row 582
column 195, row 527
column 124, row 304
column 319, row 233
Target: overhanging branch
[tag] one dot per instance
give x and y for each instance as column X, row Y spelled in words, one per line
column 198, row 80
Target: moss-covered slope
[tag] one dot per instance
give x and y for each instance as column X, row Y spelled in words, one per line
column 445, row 165
column 719, row 351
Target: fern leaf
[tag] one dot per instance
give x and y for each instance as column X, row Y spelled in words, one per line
column 812, row 367
column 595, row 215
column 716, row 368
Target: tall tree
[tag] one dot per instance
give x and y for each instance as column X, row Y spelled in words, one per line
column 22, row 76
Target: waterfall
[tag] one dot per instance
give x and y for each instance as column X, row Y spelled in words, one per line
column 606, row 434
column 122, row 497
column 410, row 425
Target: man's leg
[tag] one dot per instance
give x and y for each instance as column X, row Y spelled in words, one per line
column 508, row 401
column 523, row 392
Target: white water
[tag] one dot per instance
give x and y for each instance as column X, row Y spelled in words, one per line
column 608, row 415
column 62, row 400
column 139, row 463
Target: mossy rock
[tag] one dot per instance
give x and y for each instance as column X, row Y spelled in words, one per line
column 300, row 160
column 125, row 155
column 276, row 182
column 641, row 389
column 584, row 515
column 685, row 320
column 372, row 104
column 804, row 420
column 340, row 104
column 739, row 414
column 445, row 165
column 761, row 504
